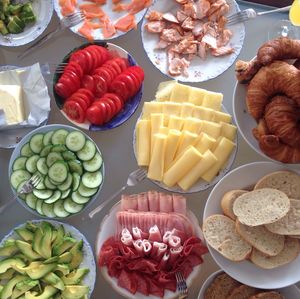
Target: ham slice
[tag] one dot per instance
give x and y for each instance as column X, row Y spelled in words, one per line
column 154, row 234
column 164, row 261
column 147, row 247
column 165, row 202
column 158, row 250
column 142, row 201
column 167, row 235
column 175, row 253
column 137, row 233
column 179, row 204
column 174, row 241
column 129, row 202
column 126, row 237
column 138, row 245
column 153, row 200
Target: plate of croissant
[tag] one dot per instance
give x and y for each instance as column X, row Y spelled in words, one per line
column 266, row 100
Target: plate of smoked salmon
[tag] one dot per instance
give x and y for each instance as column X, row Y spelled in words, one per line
column 191, row 42
column 104, row 19
column 144, row 240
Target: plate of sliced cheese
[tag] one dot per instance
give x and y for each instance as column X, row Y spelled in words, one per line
column 185, row 138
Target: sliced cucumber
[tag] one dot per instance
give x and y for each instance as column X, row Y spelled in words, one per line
column 68, row 155
column 55, row 197
column 87, row 152
column 48, row 184
column 31, row 163
column 58, row 171
column 75, row 141
column 19, row 176
column 41, row 185
column 38, row 206
column 46, row 150
column 66, row 184
column 53, row 157
column 92, row 179
column 22, row 196
column 59, row 148
column 48, row 210
column 76, row 181
column 94, row 164
column 26, row 151
column 75, row 166
column 72, row 207
column 76, row 197
column 47, row 138
column 59, row 209
column 36, row 143
column 87, row 192
column 31, row 200
column 59, row 136
column 65, row 194
column 42, row 194
column 19, row 163
column 42, row 166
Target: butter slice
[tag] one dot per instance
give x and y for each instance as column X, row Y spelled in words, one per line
column 11, row 103
column 143, row 146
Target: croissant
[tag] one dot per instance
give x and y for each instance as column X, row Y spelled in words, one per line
column 276, row 78
column 261, row 129
column 275, row 149
column 245, row 70
column 282, row 116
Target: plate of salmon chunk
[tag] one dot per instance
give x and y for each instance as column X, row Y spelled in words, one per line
column 144, row 240
column 104, row 19
column 189, row 40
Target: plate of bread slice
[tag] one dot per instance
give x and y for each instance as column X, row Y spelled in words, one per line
column 220, row 285
column 251, row 224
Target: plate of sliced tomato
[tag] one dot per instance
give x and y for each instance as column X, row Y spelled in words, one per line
column 100, row 86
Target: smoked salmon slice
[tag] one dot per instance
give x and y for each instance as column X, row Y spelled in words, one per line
column 133, row 7
column 108, row 29
column 86, row 30
column 126, row 23
column 91, row 10
column 99, row 2
column 67, row 6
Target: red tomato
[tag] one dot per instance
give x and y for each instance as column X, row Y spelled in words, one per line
column 114, row 65
column 86, row 92
column 79, row 57
column 138, row 70
column 120, row 89
column 136, row 80
column 75, row 67
column 118, row 102
column 102, row 72
column 74, row 111
column 101, row 106
column 95, row 115
column 123, row 63
column 102, row 52
column 100, row 85
column 109, row 110
column 88, row 83
column 83, row 97
column 129, row 82
column 62, row 90
column 95, row 56
column 88, row 60
column 111, row 68
column 83, row 104
column 75, row 80
column 111, row 103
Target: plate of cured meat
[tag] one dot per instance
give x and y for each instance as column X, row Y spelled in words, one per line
column 189, row 40
column 104, row 19
column 144, row 240
column 266, row 100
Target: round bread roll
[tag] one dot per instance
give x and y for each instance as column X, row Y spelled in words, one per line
column 267, row 295
column 243, row 292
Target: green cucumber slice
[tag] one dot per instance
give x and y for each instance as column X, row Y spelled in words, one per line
column 38, row 206
column 42, row 194
column 47, row 138
column 58, row 148
column 75, row 166
column 42, row 166
column 55, row 197
column 75, row 141
column 46, row 150
column 18, row 176
column 76, row 197
column 65, row 194
column 76, row 181
column 66, row 184
column 48, row 210
column 59, row 209
column 94, row 164
column 59, row 136
column 58, row 172
column 92, row 179
column 22, row 196
column 53, row 157
column 31, row 163
column 87, row 192
column 87, row 152
column 31, row 200
column 48, row 184
column 26, row 151
column 36, row 143
column 68, row 155
column 19, row 163
column 72, row 207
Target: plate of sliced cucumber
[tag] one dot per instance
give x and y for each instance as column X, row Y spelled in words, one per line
column 69, row 164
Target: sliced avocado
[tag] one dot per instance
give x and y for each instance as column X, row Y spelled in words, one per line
column 26, row 249
column 36, row 242
column 1, row 288
column 31, row 227
column 23, row 286
column 54, row 234
column 62, row 269
column 65, row 258
column 8, row 288
column 49, row 291
column 3, row 28
column 10, row 263
column 59, row 236
column 14, row 26
column 54, row 280
column 65, row 245
column 22, row 257
column 37, row 270
column 45, row 245
column 75, row 292
column 14, row 9
column 75, row 277
column 9, row 248
column 8, row 274
column 77, row 255
column 51, row 260
column 24, row 233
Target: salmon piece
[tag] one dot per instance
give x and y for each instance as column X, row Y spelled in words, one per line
column 116, row 1
column 188, row 24
column 182, row 1
column 126, row 23
column 178, row 66
column 171, row 35
column 170, row 18
column 223, row 38
column 202, row 7
column 198, row 28
column 67, row 7
column 133, row 7
column 202, row 48
column 190, row 10
column 108, row 29
column 91, row 10
column 162, row 44
column 99, row 2
column 86, row 30
column 181, row 16
column 155, row 26
column 210, row 40
column 154, row 16
column 222, row 51
column 95, row 25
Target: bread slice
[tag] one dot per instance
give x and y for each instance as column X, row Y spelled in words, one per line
column 290, row 223
column 243, row 292
column 261, row 206
column 219, row 232
column 221, row 287
column 261, row 238
column 295, row 236
column 267, row 295
column 285, row 181
column 228, row 200
column 290, row 251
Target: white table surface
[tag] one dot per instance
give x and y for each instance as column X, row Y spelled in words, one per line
column 116, row 144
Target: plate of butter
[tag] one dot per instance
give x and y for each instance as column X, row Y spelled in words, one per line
column 25, row 102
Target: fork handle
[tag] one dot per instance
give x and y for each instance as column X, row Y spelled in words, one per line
column 8, row 204
column 104, row 203
column 282, row 9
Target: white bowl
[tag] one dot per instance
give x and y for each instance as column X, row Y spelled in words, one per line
column 290, row 292
column 240, row 178
column 107, row 229
column 25, row 139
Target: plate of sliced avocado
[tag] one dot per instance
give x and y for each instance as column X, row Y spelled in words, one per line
column 21, row 22
column 46, row 259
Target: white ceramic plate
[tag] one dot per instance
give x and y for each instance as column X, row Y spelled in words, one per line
column 290, row 292
column 88, row 257
column 199, row 70
column 43, row 130
column 108, row 9
column 201, row 185
column 43, row 11
column 240, row 178
column 107, row 229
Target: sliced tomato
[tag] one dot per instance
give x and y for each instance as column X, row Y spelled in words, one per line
column 114, row 65
column 62, row 90
column 104, row 53
column 83, row 97
column 120, row 89
column 102, row 72
column 138, row 70
column 95, row 115
column 89, row 60
column 71, row 76
column 80, row 58
column 112, row 69
column 111, row 103
column 88, row 83
column 98, row 103
column 123, row 63
column 86, row 92
column 136, row 80
column 118, row 102
column 130, row 83
column 100, row 85
column 95, row 57
column 83, row 104
column 109, row 109
column 74, row 111
column 75, row 67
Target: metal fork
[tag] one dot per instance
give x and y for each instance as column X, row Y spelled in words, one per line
column 181, row 285
column 133, row 179
column 250, row 13
column 66, row 22
column 26, row 188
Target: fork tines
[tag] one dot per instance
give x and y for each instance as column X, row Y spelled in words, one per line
column 239, row 17
column 35, row 180
column 181, row 283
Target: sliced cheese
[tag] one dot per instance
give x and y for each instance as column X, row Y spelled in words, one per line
column 228, row 131
column 157, row 121
column 187, row 110
column 173, row 140
column 143, row 146
column 180, row 93
column 222, row 153
column 164, row 90
column 196, row 95
column 187, row 139
column 163, row 130
column 212, row 129
column 221, row 117
column 175, row 122
column 156, row 165
column 11, row 102
column 151, row 107
column 204, row 143
column 192, row 125
column 207, row 161
column 171, row 108
column 203, row 113
column 213, row 100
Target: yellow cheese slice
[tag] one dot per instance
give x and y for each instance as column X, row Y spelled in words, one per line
column 196, row 95
column 187, row 110
column 204, row 143
column 143, row 146
column 203, row 113
column 175, row 122
column 212, row 129
column 180, row 93
column 171, row 147
column 164, row 90
column 213, row 100
column 187, row 139
column 163, row 130
column 171, row 108
column 157, row 121
column 192, row 125
column 182, row 166
column 228, row 131
column 221, row 116
column 151, row 107
column 156, row 165
column 222, row 152
column 207, row 161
